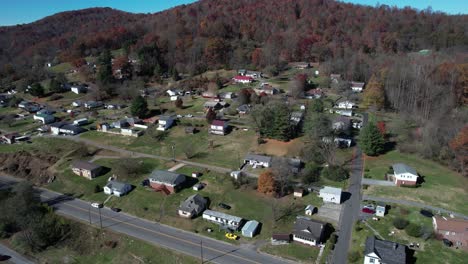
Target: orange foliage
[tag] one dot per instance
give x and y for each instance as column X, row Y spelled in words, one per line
column 266, row 183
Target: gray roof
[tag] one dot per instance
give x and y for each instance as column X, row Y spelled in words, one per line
column 256, row 157
column 400, row 168
column 194, row 204
column 388, row 251
column 211, row 104
column 85, row 165
column 168, row 177
column 118, row 186
column 331, row 190
column 250, row 226
column 166, row 117
column 243, row 108
column 304, row 227
column 223, row 216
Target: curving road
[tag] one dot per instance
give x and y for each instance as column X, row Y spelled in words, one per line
column 15, row 257
column 214, row 251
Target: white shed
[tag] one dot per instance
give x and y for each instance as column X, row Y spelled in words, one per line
column 330, row 194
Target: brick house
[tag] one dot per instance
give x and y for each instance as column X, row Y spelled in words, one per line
column 166, row 181
column 86, row 169
column 455, row 230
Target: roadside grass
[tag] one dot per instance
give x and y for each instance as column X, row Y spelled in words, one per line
column 358, row 241
column 450, row 187
column 430, row 251
column 294, row 251
column 93, row 243
column 53, row 146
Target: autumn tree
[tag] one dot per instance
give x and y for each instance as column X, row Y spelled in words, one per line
column 297, row 86
column 179, row 103
column 244, row 96
column 266, row 183
column 273, row 120
column 374, row 94
column 459, row 145
column 210, row 115
column 371, row 140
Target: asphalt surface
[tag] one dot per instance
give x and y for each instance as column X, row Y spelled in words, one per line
column 15, row 257
column 351, row 207
column 214, row 251
column 378, row 182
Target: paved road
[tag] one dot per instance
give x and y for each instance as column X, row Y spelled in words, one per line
column 144, row 155
column 350, row 210
column 377, row 182
column 15, row 256
column 175, row 239
column 415, row 204
column 351, row 207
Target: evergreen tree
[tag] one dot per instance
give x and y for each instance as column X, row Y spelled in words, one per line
column 55, row 86
column 104, row 74
column 36, row 90
column 139, row 107
column 371, row 140
column 316, row 106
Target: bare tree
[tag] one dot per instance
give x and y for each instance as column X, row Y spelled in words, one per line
column 283, row 174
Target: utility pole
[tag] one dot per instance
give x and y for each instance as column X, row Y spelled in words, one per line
column 201, row 250
column 89, row 213
column 173, row 152
column 100, row 219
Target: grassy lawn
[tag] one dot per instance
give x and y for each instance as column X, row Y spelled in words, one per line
column 54, row 146
column 89, row 247
column 237, row 144
column 61, row 68
column 22, row 125
column 451, row 187
column 299, row 251
column 430, row 251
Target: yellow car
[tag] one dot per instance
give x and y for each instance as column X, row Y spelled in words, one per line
column 231, row 236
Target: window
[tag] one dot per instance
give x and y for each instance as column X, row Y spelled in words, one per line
column 371, row 260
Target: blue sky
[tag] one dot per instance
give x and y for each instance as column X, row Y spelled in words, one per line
column 25, row 11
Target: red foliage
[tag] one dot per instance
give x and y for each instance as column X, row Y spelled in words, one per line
column 382, row 128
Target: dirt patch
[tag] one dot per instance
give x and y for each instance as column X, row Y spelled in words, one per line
column 280, row 148
column 28, row 166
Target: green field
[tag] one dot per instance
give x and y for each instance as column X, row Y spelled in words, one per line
column 430, row 251
column 300, row 252
column 450, row 187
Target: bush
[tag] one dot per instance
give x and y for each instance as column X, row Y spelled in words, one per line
column 110, row 244
column 354, row 256
column 400, row 223
column 97, row 188
column 333, row 238
column 335, row 173
column 414, row 230
column 358, row 227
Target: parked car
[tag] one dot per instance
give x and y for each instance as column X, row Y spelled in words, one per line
column 224, row 206
column 115, row 209
column 231, row 236
column 368, row 211
column 189, row 115
column 447, row 242
column 97, row 205
column 370, row 206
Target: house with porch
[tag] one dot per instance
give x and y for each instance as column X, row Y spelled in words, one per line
column 383, row 251
column 357, row 86
column 309, row 232
column 193, row 206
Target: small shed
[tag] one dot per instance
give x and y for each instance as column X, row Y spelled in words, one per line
column 236, row 174
column 250, row 228
column 298, row 192
column 380, row 210
column 310, row 209
column 198, row 186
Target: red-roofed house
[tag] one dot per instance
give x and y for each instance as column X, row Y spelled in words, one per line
column 218, row 127
column 243, row 79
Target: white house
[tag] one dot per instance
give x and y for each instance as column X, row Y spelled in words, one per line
column 404, row 174
column 64, row 128
column 45, row 119
column 382, row 251
column 344, row 112
column 223, row 219
column 346, row 105
column 77, row 103
column 174, row 98
column 258, row 160
column 330, row 194
column 218, row 127
column 309, row 232
column 78, row 89
column 357, row 86
column 117, row 188
column 380, row 210
column 165, row 122
column 80, row 122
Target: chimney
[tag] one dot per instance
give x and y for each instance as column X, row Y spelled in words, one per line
column 395, row 245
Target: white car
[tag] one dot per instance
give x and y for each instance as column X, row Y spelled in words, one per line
column 189, row 115
column 97, row 205
column 179, row 116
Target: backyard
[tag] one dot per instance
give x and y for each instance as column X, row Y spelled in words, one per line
column 450, row 187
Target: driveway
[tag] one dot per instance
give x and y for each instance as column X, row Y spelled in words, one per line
column 330, row 211
column 377, row 182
